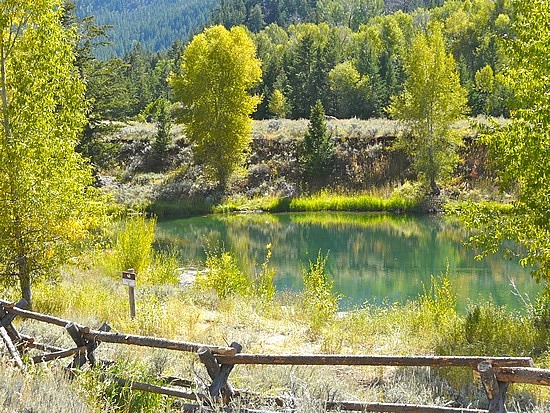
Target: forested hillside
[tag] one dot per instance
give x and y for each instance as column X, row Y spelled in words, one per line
column 354, row 71
column 156, row 24
column 256, row 14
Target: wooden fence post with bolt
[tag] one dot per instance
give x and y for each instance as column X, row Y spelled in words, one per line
column 129, row 279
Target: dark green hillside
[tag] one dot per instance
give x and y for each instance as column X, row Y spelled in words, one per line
column 256, row 14
column 153, row 23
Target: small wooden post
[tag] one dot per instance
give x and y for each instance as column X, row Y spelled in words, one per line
column 220, row 381
column 7, row 318
column 75, row 333
column 129, row 279
column 218, row 374
column 11, row 348
column 92, row 345
column 496, row 390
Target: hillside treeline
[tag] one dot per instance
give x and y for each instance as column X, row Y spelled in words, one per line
column 352, row 67
column 155, row 24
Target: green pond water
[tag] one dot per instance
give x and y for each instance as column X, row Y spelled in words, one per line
column 371, row 257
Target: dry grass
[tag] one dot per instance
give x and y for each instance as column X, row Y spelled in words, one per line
column 279, row 326
column 43, row 389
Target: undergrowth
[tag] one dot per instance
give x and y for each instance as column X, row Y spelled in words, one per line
column 229, row 305
column 403, row 198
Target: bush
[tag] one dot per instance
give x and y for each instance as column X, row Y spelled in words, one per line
column 318, row 301
column 488, row 329
column 223, row 275
column 133, row 246
column 113, row 392
column 164, row 268
column 264, row 288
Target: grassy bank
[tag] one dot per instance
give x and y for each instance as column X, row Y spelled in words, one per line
column 324, row 201
column 403, row 199
column 226, row 305
column 320, row 202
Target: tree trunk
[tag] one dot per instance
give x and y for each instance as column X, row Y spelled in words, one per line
column 435, row 188
column 25, row 281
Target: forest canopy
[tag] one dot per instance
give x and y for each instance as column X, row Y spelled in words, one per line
column 354, row 68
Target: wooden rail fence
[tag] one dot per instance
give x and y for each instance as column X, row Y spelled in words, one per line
column 496, row 373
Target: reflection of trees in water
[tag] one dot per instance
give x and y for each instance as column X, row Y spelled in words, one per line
column 370, row 255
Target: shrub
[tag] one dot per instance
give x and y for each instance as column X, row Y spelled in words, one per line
column 113, row 391
column 264, row 288
column 164, row 268
column 439, row 302
column 223, row 275
column 133, row 246
column 318, row 301
column 489, row 329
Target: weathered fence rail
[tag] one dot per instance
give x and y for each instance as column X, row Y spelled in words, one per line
column 495, row 373
column 368, row 360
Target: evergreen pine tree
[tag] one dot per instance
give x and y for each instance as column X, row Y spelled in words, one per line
column 317, row 149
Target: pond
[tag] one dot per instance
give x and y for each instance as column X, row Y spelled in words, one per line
column 371, row 257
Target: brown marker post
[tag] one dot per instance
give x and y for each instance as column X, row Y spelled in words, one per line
column 129, row 279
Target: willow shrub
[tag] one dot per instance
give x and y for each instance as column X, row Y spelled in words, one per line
column 223, row 275
column 263, row 285
column 133, row 245
column 318, row 301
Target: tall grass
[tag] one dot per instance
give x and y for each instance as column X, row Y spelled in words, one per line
column 43, row 389
column 399, row 201
column 290, row 323
column 318, row 301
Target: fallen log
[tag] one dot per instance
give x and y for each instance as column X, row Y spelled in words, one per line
column 11, row 348
column 151, row 388
column 396, row 408
column 117, row 338
column 10, row 308
column 154, row 342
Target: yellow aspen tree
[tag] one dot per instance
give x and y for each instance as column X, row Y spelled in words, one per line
column 45, row 195
column 218, row 69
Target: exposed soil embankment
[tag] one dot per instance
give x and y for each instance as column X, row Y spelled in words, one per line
column 363, row 158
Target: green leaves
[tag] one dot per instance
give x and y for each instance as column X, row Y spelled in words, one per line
column 520, row 152
column 432, row 100
column 218, row 69
column 45, row 200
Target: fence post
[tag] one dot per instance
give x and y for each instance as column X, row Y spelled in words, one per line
column 495, row 390
column 92, row 345
column 75, row 333
column 7, row 318
column 221, row 380
column 218, row 374
column 11, row 348
column 129, row 279
column 9, row 333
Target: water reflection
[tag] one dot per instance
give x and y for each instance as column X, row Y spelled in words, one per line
column 372, row 257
